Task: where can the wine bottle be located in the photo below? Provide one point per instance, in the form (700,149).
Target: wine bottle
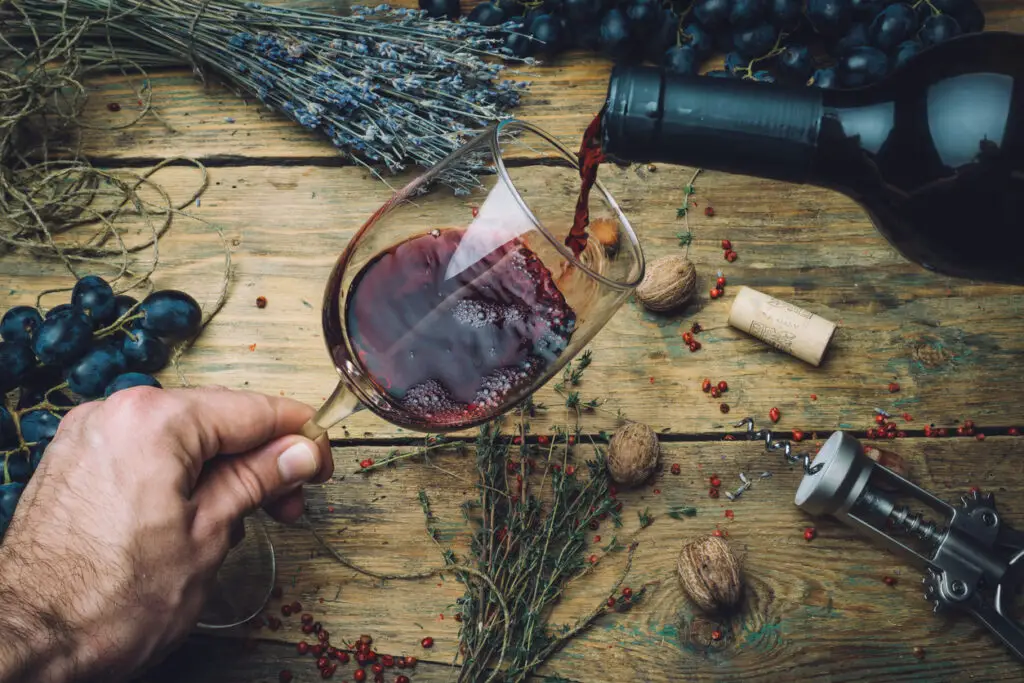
(934,152)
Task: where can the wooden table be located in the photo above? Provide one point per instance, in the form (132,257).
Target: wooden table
(288,205)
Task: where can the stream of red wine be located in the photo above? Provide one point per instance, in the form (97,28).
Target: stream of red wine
(457,350)
(590,158)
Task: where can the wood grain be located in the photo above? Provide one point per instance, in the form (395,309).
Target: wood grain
(808,606)
(940,339)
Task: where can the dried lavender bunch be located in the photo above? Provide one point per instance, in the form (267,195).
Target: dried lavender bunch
(387,86)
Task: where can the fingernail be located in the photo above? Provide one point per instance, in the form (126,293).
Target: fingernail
(297,464)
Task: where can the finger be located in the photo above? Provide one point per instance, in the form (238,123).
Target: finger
(289,508)
(234,486)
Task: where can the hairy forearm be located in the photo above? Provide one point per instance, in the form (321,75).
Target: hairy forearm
(34,643)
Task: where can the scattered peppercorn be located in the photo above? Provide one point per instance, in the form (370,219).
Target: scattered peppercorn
(726,245)
(687,337)
(307,618)
(730,256)
(113,106)
(359,675)
(694,346)
(377,668)
(261,302)
(475,210)
(720,282)
(328,671)
(696,328)
(717,532)
(286,610)
(919,652)
(302,647)
(627,592)
(715,293)
(1013,431)
(715,393)
(307,628)
(889,581)
(713,493)
(410,662)
(570,469)
(285,676)
(675,468)
(980,436)
(814,397)
(723,386)
(810,533)
(273,623)
(705,386)
(893,387)
(323,663)
(716,635)
(880,419)
(611,602)
(715,481)
(709,211)
(729,514)
(907,417)
(943,431)
(724,407)
(774,414)
(402,679)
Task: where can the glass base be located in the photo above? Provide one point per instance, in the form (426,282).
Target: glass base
(245,581)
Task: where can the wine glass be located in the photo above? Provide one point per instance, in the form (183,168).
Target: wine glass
(458,299)
(460,296)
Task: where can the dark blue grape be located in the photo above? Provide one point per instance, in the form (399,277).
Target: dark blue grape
(129,380)
(487,14)
(938,29)
(905,52)
(20,323)
(172,314)
(547,30)
(144,351)
(96,369)
(37,425)
(94,297)
(19,467)
(747,13)
(586,35)
(437,9)
(862,66)
(763,76)
(511,8)
(643,17)
(712,13)
(825,78)
(583,11)
(785,12)
(734,62)
(9,496)
(616,41)
(59,310)
(35,453)
(16,364)
(520,44)
(8,432)
(122,304)
(830,17)
(893,26)
(966,12)
(664,36)
(796,63)
(699,39)
(859,35)
(681,60)
(62,339)
(868,9)
(755,42)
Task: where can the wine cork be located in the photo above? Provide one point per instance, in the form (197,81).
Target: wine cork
(787,327)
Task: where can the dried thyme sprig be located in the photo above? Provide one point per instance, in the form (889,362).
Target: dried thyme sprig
(394,455)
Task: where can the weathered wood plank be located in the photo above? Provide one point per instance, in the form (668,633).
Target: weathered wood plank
(216,125)
(951,344)
(811,608)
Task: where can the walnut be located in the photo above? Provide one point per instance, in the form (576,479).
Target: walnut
(709,573)
(633,454)
(668,284)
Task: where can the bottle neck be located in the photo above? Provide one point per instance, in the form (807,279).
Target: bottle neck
(728,125)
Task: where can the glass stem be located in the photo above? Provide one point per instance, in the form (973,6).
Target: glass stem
(340,405)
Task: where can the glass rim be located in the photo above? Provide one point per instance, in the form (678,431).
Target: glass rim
(571,157)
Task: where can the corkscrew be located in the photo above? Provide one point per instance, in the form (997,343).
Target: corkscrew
(973,561)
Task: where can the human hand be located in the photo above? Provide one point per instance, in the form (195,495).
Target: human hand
(120,532)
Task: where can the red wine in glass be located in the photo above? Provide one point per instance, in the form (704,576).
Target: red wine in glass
(451,350)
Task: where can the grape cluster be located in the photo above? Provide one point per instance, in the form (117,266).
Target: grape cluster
(95,345)
(825,43)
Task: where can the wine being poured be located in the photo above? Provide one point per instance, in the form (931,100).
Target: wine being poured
(459,297)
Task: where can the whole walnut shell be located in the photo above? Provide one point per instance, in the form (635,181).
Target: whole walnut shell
(710,574)
(669,282)
(633,453)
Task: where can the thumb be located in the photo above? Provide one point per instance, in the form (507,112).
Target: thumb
(232,486)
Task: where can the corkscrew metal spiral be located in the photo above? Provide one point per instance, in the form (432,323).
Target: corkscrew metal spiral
(773,444)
